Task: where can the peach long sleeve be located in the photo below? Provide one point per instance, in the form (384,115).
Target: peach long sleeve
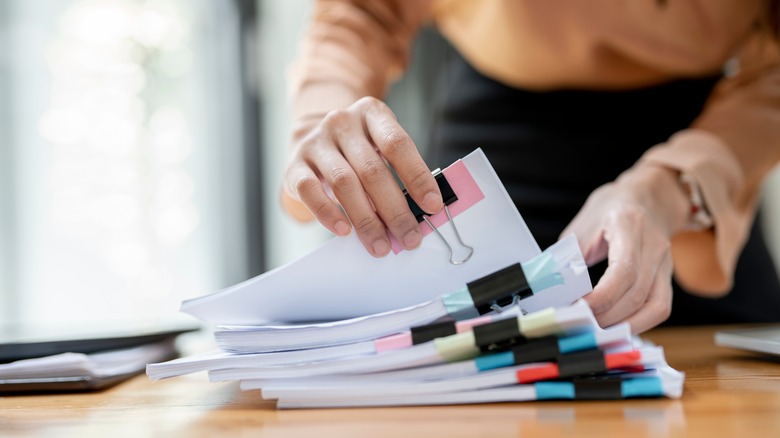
(729,150)
(352,49)
(356,48)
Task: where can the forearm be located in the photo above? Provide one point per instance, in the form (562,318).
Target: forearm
(352,49)
(344,138)
(729,150)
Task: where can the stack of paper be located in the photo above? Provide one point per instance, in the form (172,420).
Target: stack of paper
(501,357)
(79,371)
(414,328)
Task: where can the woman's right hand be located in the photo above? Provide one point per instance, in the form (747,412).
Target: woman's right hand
(347,153)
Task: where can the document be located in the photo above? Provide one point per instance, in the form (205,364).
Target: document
(664,381)
(341,280)
(341,328)
(473,378)
(560,264)
(79,371)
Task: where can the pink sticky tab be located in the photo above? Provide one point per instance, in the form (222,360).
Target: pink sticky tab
(393,342)
(465,188)
(469,324)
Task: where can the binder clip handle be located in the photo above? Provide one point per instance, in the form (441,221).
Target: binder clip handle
(448,197)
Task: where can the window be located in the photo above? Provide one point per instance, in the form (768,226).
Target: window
(129,156)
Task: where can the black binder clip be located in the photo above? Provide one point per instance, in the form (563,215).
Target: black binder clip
(505,287)
(515,302)
(448,196)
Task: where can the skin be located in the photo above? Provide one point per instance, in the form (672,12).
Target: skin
(629,222)
(347,150)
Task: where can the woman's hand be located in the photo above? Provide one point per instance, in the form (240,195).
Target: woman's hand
(348,152)
(630,222)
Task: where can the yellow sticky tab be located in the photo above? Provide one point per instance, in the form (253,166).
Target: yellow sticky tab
(457,347)
(538,324)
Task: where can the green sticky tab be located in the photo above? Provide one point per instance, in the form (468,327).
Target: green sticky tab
(538,324)
(458,347)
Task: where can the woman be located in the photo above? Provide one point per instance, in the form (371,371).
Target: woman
(611,120)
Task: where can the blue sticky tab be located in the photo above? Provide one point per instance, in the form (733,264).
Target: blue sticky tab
(459,301)
(554,390)
(493,361)
(570,344)
(642,387)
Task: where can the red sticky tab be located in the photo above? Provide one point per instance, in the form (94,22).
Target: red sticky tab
(537,373)
(620,360)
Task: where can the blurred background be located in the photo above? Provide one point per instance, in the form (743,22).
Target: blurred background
(142,144)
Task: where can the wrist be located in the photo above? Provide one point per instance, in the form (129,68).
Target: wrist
(699,218)
(660,190)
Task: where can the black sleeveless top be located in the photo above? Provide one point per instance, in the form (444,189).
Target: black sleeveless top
(552,149)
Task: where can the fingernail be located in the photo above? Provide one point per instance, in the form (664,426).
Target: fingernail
(412,239)
(381,248)
(342,229)
(432,203)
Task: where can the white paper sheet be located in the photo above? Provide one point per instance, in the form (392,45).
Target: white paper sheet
(102,364)
(341,280)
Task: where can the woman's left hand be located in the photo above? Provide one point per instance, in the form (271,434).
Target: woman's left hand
(630,222)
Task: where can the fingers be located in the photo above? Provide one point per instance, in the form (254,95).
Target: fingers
(658,306)
(349,191)
(294,207)
(378,182)
(618,223)
(623,271)
(302,181)
(589,230)
(636,251)
(350,151)
(397,147)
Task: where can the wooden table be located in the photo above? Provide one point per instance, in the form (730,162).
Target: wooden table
(727,393)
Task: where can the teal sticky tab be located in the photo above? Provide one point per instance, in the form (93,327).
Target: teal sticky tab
(542,283)
(458,301)
(493,361)
(554,390)
(642,387)
(540,272)
(539,266)
(584,341)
